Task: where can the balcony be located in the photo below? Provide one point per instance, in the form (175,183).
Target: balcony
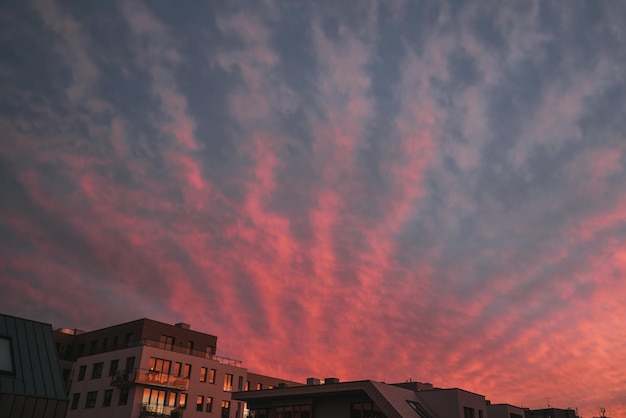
(150,378)
(151,410)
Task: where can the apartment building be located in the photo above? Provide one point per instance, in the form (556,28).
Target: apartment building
(361,399)
(148,368)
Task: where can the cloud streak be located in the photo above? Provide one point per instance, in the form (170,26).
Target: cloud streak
(386,191)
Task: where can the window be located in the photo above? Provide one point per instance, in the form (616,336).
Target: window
(167,342)
(153,401)
(81,372)
(129,338)
(75,400)
(365,409)
(228,382)
(259,386)
(225,409)
(130,365)
(160,365)
(212,376)
(182,400)
(6,356)
(123,396)
(171,401)
(187,371)
(104,344)
(108,396)
(90,402)
(113,367)
(96,373)
(209,404)
(190,346)
(247,386)
(199,403)
(203,373)
(115,341)
(468,412)
(419,409)
(94,347)
(480,413)
(240,384)
(81,350)
(177,368)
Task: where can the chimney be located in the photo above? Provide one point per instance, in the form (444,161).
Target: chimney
(182,325)
(313,381)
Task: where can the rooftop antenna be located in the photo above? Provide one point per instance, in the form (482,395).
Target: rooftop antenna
(548,400)
(602,411)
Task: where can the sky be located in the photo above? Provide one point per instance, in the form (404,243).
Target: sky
(368,190)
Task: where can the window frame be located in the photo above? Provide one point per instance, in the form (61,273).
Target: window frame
(10,354)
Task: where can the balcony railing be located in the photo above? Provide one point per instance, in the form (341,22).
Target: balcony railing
(151,410)
(150,378)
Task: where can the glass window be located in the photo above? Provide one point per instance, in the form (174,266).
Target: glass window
(199,403)
(177,368)
(160,365)
(468,412)
(81,372)
(6,356)
(108,396)
(171,400)
(130,365)
(212,376)
(203,374)
(225,409)
(187,371)
(96,372)
(75,400)
(259,386)
(94,347)
(90,402)
(209,404)
(123,396)
(182,400)
(247,386)
(228,382)
(113,367)
(167,342)
(240,383)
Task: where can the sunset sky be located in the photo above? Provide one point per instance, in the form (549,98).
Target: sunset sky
(368,190)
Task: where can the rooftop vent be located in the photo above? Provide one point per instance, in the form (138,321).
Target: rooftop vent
(283,385)
(313,381)
(331,380)
(182,325)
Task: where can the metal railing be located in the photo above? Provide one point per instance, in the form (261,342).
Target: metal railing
(150,378)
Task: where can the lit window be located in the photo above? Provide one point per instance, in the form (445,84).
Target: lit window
(228,382)
(225,409)
(187,371)
(6,356)
(199,403)
(182,400)
(203,374)
(209,404)
(212,376)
